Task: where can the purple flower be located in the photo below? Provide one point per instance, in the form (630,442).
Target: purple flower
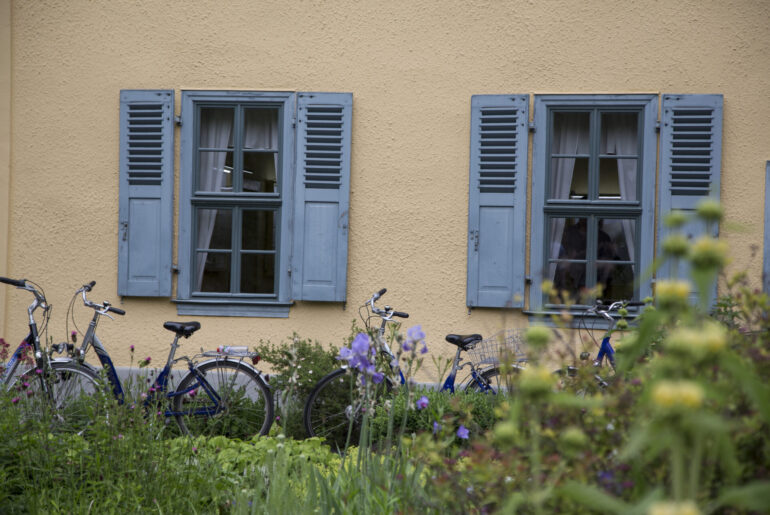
(424,349)
(15,400)
(38,371)
(462,432)
(436,427)
(407,346)
(422,403)
(131,348)
(360,344)
(415,334)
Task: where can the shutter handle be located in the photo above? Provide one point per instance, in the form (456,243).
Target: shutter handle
(124,228)
(475,241)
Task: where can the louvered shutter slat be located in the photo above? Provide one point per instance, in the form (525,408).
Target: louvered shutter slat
(146,166)
(497,200)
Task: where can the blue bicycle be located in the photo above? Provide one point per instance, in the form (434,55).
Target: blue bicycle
(224,395)
(330,411)
(606,351)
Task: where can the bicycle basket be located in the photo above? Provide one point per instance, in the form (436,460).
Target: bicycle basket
(506,345)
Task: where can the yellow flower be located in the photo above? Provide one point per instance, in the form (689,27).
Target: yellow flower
(699,343)
(677,395)
(538,336)
(674,508)
(709,210)
(676,219)
(672,294)
(536,380)
(676,245)
(708,252)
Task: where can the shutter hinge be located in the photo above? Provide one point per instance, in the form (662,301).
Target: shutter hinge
(528,280)
(178,120)
(657,126)
(531,126)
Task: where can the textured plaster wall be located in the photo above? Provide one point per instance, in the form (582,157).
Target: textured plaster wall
(412,67)
(5,143)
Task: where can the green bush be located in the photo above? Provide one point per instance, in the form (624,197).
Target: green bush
(297,365)
(474,410)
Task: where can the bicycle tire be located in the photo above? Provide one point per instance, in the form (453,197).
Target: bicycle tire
(330,411)
(492,377)
(246,403)
(71,407)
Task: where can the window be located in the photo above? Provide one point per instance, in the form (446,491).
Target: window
(592,182)
(592,204)
(264,187)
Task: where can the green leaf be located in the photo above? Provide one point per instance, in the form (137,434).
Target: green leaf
(594,498)
(753,496)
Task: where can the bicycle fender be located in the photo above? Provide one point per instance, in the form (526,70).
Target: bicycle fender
(84,364)
(238,362)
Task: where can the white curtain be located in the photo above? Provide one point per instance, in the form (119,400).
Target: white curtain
(261,133)
(570,137)
(620,139)
(215,133)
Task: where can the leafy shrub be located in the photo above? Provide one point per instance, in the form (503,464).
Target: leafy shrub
(474,410)
(297,365)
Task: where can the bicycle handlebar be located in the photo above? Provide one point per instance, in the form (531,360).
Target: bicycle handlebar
(388,313)
(100,308)
(19,283)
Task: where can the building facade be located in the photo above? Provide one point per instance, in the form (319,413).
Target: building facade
(264,167)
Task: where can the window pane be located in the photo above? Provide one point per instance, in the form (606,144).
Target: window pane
(258,230)
(617,179)
(212,272)
(616,242)
(569,178)
(616,239)
(616,281)
(571,133)
(619,134)
(215,171)
(258,273)
(260,129)
(216,127)
(259,171)
(568,242)
(570,234)
(215,227)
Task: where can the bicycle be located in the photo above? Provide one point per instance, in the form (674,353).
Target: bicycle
(606,350)
(60,387)
(223,395)
(329,411)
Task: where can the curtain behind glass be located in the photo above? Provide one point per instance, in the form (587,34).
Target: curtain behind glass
(621,139)
(570,136)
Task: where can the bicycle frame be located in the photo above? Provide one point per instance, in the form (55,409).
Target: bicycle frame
(457,364)
(161,383)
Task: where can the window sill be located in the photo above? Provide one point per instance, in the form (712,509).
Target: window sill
(230,308)
(546,318)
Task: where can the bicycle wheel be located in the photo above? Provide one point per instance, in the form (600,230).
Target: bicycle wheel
(492,381)
(230,399)
(71,404)
(335,408)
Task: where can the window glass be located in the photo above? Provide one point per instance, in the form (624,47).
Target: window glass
(615,269)
(215,141)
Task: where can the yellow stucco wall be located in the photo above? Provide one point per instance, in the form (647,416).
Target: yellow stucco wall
(5,144)
(412,67)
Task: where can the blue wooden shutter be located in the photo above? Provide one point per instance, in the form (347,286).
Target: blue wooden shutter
(690,166)
(146,192)
(497,200)
(322,196)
